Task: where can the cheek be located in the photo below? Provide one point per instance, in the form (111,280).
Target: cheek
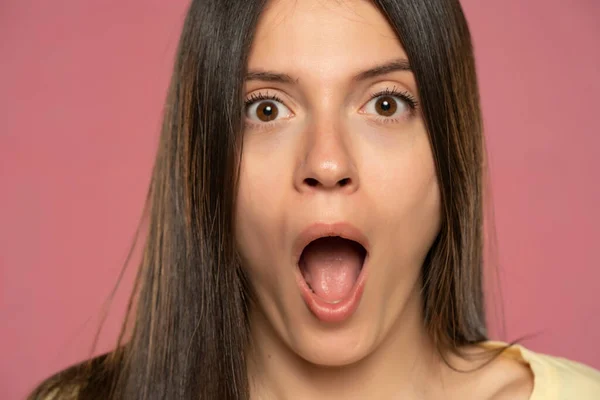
(259,216)
(408,201)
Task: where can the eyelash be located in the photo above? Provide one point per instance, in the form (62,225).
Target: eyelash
(410,100)
(407,97)
(404,95)
(254,97)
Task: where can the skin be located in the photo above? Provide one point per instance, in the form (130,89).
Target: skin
(331,156)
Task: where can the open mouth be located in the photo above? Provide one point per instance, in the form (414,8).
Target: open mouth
(331,266)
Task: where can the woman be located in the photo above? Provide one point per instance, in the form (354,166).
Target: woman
(315,218)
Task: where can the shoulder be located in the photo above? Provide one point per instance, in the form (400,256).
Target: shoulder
(559,378)
(489,372)
(89,379)
(553,378)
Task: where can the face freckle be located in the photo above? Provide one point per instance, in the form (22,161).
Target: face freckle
(322,147)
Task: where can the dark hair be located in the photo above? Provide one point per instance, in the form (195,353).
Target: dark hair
(189,311)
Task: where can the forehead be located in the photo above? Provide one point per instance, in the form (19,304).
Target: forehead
(322,38)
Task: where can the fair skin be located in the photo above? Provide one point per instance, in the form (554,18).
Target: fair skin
(331,155)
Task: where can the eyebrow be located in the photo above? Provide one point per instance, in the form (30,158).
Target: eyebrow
(400,64)
(269,76)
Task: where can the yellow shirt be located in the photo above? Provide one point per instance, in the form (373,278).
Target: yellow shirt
(556,378)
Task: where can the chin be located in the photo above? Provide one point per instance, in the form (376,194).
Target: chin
(334,346)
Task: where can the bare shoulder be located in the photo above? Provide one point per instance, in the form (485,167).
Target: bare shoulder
(518,386)
(509,378)
(493,375)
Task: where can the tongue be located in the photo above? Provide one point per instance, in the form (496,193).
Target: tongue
(331,266)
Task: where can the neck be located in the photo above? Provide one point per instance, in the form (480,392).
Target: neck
(405,363)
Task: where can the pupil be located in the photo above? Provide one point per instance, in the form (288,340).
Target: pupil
(268,110)
(385,105)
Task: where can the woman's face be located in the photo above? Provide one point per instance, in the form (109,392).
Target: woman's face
(334,145)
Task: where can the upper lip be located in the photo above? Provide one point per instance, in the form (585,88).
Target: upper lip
(320,230)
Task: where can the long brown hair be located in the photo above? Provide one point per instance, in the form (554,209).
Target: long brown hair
(188,324)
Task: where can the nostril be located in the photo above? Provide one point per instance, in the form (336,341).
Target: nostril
(312,182)
(344,182)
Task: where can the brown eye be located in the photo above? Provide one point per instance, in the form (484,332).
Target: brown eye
(389,107)
(386,106)
(266,110)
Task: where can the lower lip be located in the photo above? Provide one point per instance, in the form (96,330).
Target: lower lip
(337,312)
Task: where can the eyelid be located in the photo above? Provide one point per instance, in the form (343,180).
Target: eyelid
(268,94)
(403,96)
(256,97)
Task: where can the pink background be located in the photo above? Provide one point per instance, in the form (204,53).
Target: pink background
(81,89)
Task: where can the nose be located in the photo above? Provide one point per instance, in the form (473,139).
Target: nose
(326,162)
